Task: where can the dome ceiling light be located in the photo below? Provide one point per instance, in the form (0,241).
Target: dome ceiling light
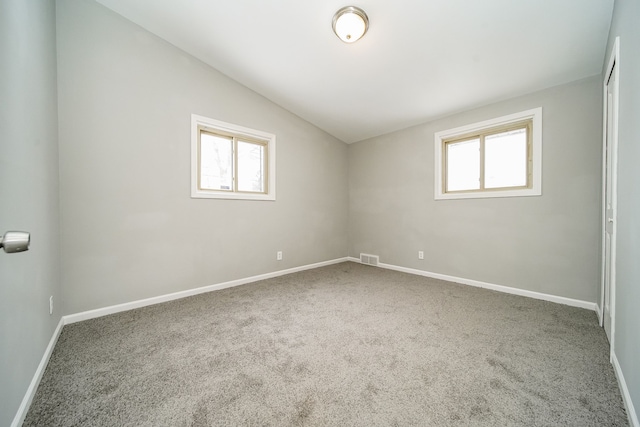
(350,23)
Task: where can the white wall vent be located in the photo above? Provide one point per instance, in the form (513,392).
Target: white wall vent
(369,259)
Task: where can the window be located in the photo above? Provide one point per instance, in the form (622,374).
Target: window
(496,158)
(231,162)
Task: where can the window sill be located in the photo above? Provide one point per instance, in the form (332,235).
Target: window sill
(199,194)
(489,194)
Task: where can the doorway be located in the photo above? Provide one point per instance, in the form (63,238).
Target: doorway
(609,199)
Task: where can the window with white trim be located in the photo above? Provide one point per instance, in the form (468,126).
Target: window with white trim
(231,162)
(495,158)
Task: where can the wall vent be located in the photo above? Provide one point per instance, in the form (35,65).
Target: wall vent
(369,259)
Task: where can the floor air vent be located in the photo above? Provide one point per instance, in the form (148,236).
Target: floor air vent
(369,259)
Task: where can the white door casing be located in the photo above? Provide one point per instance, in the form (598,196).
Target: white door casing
(609,194)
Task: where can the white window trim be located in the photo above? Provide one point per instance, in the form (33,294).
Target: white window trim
(536,188)
(200,121)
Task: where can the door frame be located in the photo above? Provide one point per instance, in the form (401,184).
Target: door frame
(612,67)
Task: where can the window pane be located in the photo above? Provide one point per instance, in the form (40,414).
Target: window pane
(505,159)
(250,167)
(216,162)
(463,165)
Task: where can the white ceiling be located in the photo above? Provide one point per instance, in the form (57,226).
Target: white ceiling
(420,59)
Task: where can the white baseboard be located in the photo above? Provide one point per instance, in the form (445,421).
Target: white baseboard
(626,397)
(72,318)
(500,288)
(91,314)
(599,314)
(35,381)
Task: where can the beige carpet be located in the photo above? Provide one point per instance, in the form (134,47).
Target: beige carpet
(344,345)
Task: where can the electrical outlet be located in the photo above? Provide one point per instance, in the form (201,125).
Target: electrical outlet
(420,255)
(279,255)
(51,305)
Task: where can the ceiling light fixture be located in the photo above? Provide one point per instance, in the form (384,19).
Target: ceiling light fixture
(350,24)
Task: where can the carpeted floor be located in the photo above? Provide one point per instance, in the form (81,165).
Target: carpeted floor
(344,345)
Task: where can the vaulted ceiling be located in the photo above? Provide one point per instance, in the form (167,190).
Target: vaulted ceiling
(420,59)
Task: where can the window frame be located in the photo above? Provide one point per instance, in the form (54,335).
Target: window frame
(481,130)
(237,133)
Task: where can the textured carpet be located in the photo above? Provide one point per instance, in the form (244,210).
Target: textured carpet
(344,345)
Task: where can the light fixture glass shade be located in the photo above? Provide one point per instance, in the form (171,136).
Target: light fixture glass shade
(350,24)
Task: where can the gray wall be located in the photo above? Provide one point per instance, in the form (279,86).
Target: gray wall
(627,315)
(547,244)
(28,193)
(129,227)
